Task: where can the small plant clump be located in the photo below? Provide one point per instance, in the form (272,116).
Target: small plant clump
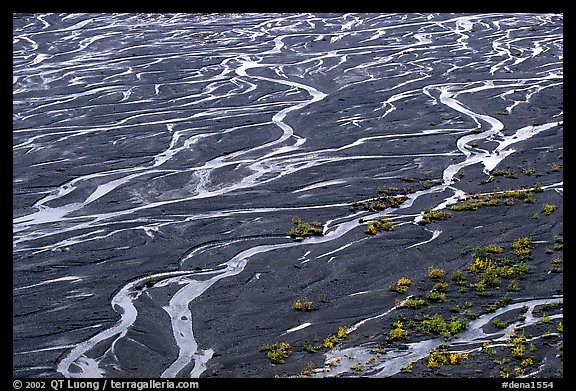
(487,349)
(431,215)
(506,173)
(458,277)
(529,171)
(379,225)
(333,340)
(308,371)
(398,333)
(522,247)
(436,273)
(513,286)
(436,297)
(517,346)
(443,357)
(304,229)
(386,197)
(484,251)
(441,286)
(548,209)
(413,303)
(277,352)
(408,367)
(401,286)
(556,266)
(502,302)
(149,283)
(305,305)
(499,323)
(477,200)
(438,326)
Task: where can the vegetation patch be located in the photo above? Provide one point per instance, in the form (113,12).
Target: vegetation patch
(277,352)
(386,197)
(381,224)
(303,229)
(335,339)
(300,305)
(431,215)
(401,286)
(398,333)
(413,303)
(443,357)
(548,209)
(476,201)
(435,273)
(506,173)
(522,247)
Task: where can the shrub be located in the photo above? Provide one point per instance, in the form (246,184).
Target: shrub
(522,269)
(513,286)
(408,367)
(522,247)
(277,352)
(458,277)
(487,349)
(371,229)
(437,325)
(304,229)
(414,303)
(499,323)
(548,209)
(441,286)
(333,340)
(529,171)
(456,325)
(557,266)
(443,357)
(436,273)
(507,173)
(379,225)
(475,202)
(431,215)
(436,297)
(480,264)
(398,333)
(387,225)
(297,305)
(308,371)
(401,286)
(484,251)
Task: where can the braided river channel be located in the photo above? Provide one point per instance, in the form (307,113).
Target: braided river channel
(182,181)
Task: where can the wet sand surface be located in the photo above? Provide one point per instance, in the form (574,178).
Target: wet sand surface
(159,161)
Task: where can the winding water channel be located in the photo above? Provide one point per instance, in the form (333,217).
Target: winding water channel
(156,156)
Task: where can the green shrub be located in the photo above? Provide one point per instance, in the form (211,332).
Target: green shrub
(436,273)
(304,229)
(398,333)
(522,247)
(431,215)
(436,296)
(548,209)
(277,352)
(499,323)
